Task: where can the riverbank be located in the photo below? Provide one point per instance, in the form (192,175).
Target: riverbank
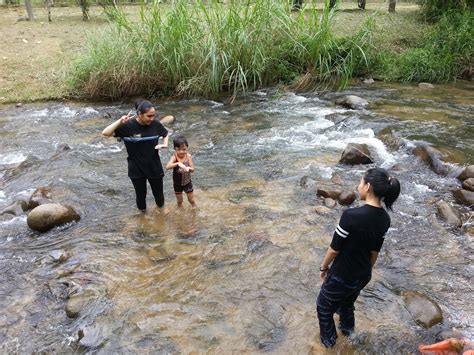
(36,55)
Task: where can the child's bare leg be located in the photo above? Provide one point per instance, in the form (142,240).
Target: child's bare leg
(179,199)
(191,200)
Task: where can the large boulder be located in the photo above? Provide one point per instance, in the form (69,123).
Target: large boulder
(468,184)
(355,153)
(464,196)
(16,208)
(352,101)
(432,157)
(390,138)
(426,86)
(49,215)
(346,197)
(467,173)
(327,193)
(424,310)
(450,214)
(40,196)
(167,119)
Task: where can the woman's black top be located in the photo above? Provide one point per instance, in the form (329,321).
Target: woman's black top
(140,141)
(360,231)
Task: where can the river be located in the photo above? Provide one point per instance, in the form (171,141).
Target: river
(240,273)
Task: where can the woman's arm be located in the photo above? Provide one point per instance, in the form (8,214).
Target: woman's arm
(328,258)
(110,129)
(165,143)
(373,257)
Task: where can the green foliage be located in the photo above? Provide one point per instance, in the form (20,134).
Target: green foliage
(432,10)
(442,55)
(203,49)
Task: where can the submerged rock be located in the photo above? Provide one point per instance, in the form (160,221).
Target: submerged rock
(450,214)
(58,256)
(355,153)
(352,101)
(390,138)
(16,208)
(327,193)
(329,202)
(92,337)
(322,210)
(346,197)
(40,196)
(78,302)
(424,310)
(432,157)
(467,173)
(426,86)
(468,184)
(464,196)
(49,215)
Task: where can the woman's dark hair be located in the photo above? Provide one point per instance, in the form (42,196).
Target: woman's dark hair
(178,141)
(383,185)
(143,106)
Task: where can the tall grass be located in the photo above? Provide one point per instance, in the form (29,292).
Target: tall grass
(204,49)
(443,55)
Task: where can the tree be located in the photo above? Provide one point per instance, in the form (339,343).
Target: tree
(391,5)
(29,10)
(85,9)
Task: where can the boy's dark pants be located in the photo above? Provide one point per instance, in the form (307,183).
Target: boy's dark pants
(337,296)
(140,191)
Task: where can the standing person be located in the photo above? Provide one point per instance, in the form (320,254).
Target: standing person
(141,133)
(182,164)
(353,251)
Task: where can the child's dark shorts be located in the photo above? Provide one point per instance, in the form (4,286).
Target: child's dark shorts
(178,189)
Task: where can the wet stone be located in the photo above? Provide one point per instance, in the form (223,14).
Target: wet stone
(40,196)
(322,210)
(346,197)
(390,138)
(432,157)
(352,101)
(58,256)
(464,196)
(355,153)
(467,173)
(424,310)
(17,208)
(468,184)
(426,86)
(327,193)
(49,215)
(91,337)
(449,213)
(257,242)
(242,194)
(78,302)
(329,202)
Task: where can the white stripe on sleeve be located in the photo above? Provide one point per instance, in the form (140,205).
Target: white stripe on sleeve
(343,233)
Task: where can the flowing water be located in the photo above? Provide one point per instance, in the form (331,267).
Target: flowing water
(240,273)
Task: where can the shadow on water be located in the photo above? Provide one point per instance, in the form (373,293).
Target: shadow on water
(239,273)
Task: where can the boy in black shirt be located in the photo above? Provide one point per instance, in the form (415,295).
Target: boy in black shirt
(353,251)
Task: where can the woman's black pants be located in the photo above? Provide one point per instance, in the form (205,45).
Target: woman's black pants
(156,188)
(337,296)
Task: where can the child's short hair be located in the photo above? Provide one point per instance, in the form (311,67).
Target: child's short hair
(178,141)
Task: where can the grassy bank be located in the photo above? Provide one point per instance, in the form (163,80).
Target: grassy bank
(119,61)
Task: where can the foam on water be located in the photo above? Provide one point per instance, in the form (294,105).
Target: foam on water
(12,158)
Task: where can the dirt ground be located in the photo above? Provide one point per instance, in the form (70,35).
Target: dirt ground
(34,55)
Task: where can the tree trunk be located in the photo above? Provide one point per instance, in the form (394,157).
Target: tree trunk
(48,7)
(391,5)
(29,10)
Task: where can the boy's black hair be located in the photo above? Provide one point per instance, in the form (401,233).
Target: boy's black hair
(178,141)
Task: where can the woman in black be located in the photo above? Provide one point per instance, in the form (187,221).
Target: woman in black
(353,251)
(141,133)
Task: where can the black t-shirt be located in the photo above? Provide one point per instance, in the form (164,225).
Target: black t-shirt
(360,231)
(143,159)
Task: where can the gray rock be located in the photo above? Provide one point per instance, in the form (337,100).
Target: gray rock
(390,138)
(352,101)
(369,81)
(450,214)
(167,119)
(329,202)
(49,215)
(322,210)
(78,302)
(16,208)
(467,173)
(427,86)
(92,337)
(464,196)
(346,197)
(432,157)
(40,196)
(355,153)
(468,184)
(327,193)
(58,256)
(424,310)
